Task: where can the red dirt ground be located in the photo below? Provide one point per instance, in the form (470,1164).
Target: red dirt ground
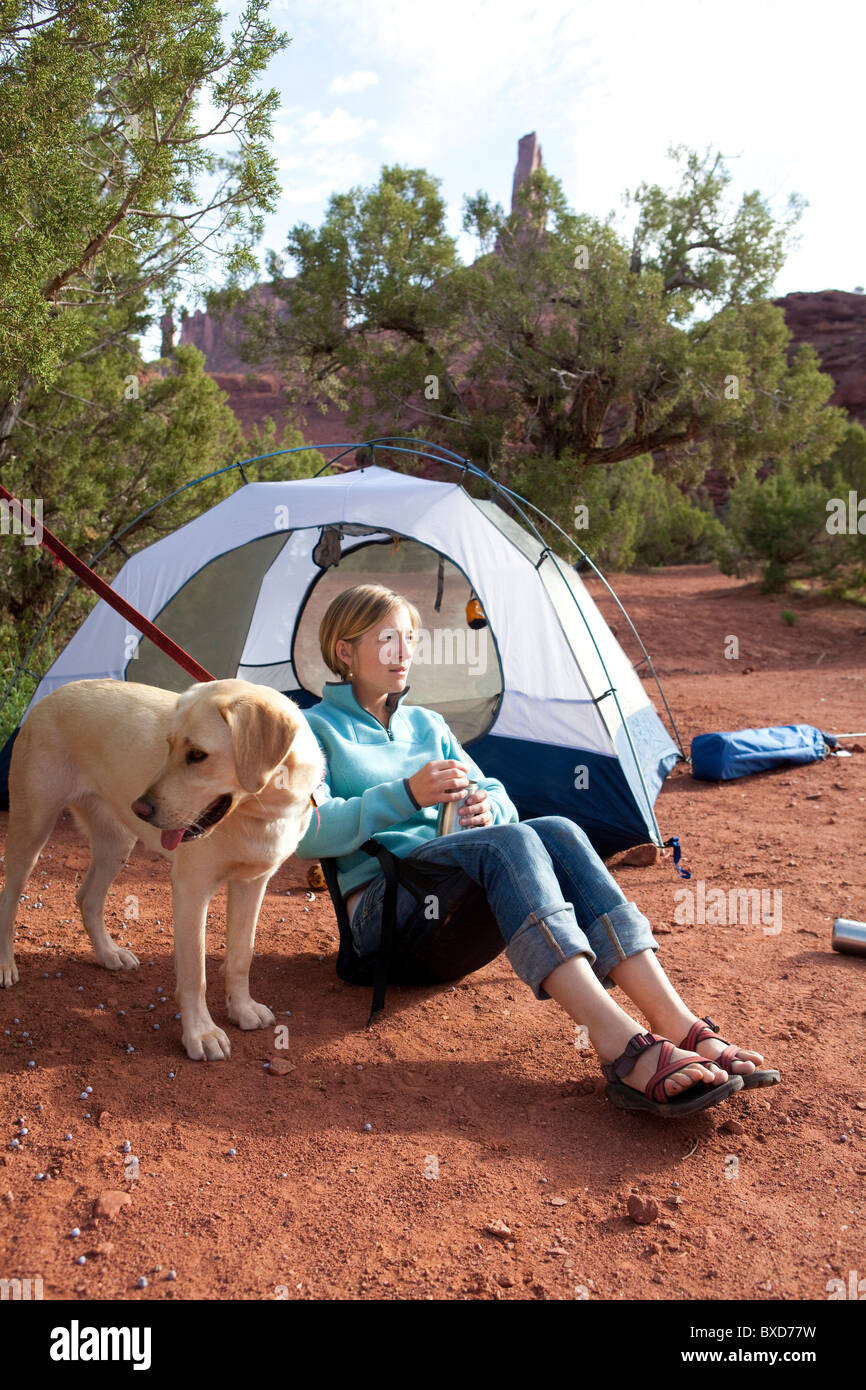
(479,1083)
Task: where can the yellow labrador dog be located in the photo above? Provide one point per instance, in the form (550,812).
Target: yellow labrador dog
(218,780)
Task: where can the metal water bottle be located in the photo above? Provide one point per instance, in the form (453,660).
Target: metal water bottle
(448,818)
(849,936)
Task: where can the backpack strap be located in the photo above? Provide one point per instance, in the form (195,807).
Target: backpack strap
(389,912)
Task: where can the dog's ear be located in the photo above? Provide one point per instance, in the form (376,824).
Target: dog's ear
(262,735)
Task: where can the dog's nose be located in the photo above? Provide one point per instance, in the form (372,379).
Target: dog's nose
(142,808)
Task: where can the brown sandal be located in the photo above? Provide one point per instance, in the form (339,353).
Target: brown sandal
(768,1076)
(654,1099)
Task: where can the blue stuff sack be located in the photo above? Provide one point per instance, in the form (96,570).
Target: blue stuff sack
(722,756)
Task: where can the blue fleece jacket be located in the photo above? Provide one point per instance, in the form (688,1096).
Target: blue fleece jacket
(366,789)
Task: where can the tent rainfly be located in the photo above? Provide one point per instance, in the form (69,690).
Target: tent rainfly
(543,695)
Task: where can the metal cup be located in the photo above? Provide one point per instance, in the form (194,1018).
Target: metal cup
(849,936)
(448,817)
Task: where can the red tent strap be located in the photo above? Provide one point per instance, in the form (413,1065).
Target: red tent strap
(105,591)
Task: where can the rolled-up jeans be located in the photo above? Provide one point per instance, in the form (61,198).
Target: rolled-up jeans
(551,895)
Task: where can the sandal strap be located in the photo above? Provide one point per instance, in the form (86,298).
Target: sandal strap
(614,1071)
(655,1088)
(698,1032)
(731,1054)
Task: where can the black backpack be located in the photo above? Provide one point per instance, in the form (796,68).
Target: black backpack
(467,938)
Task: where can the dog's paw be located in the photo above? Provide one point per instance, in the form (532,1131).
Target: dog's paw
(118,958)
(207,1043)
(8,973)
(250,1014)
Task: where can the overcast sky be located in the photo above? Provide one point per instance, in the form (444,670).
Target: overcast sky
(451,85)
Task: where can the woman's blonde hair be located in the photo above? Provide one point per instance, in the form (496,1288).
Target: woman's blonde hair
(354,612)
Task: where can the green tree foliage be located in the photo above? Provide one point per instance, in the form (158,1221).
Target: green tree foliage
(368,313)
(103,158)
(563,341)
(623,516)
(802,522)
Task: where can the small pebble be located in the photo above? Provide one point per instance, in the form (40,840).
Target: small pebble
(155,1026)
(177,1016)
(123,1013)
(81,989)
(67,1136)
(83,1096)
(232,1153)
(642,1210)
(39,1177)
(130,1047)
(142,1283)
(87,1114)
(31,1063)
(75,1233)
(368,1128)
(171,1274)
(171,1076)
(82,1260)
(151,1006)
(126,1147)
(25,1035)
(22,1130)
(15,1144)
(100,1006)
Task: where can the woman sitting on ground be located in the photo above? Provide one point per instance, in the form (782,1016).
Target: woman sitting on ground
(566,926)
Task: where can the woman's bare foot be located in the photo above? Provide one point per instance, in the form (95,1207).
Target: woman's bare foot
(692,1073)
(677,1026)
(741,1066)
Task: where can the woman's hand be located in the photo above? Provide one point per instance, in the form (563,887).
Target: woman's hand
(475,812)
(439,781)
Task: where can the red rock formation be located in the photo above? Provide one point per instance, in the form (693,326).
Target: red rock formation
(834,322)
(528,160)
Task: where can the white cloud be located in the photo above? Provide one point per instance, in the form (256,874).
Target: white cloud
(354,82)
(338,128)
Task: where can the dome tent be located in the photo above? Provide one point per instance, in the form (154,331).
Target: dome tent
(544,696)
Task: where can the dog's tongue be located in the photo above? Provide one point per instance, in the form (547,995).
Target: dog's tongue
(171,838)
